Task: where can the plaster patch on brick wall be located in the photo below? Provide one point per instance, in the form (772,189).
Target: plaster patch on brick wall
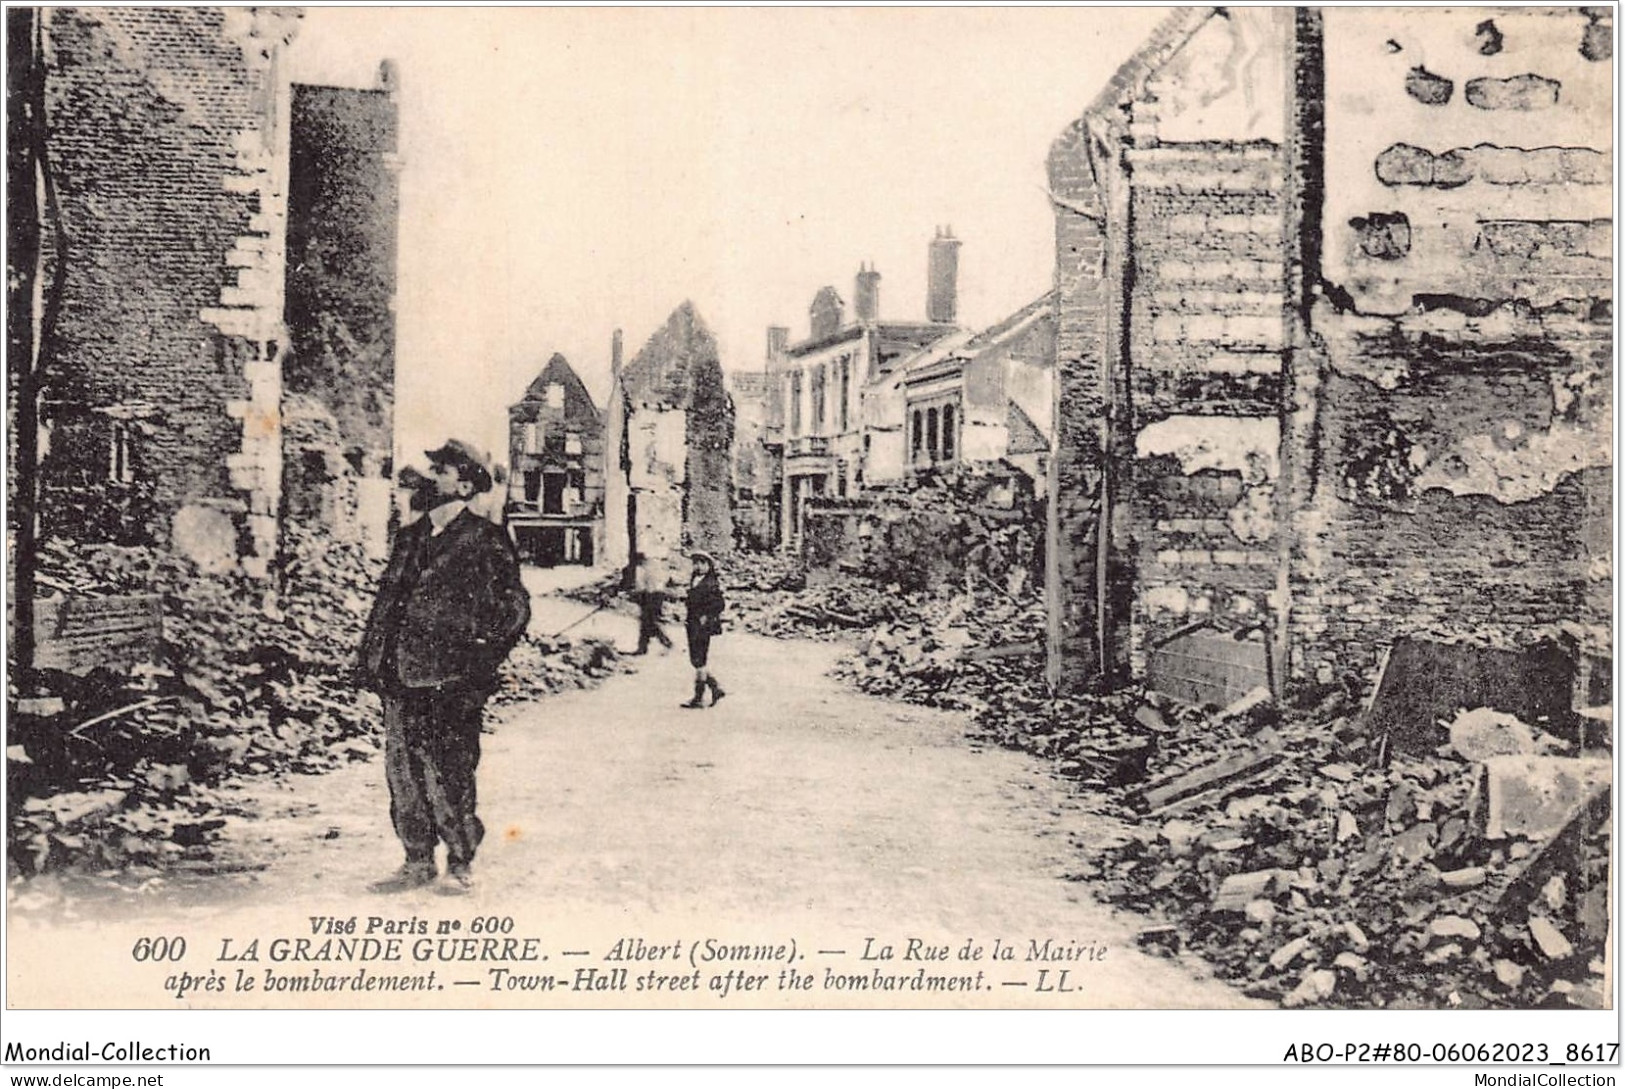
(1253,519)
(1427,87)
(1225,83)
(1525,92)
(1248,445)
(1513,464)
(1405,164)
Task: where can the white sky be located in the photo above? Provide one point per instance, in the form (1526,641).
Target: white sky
(571,171)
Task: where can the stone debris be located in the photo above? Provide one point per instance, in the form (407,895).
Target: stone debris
(121,772)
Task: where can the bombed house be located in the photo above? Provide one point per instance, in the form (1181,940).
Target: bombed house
(1334,346)
(835,416)
(555,504)
(207,285)
(668,441)
(976,400)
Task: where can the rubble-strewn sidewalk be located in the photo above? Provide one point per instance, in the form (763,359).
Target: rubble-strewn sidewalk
(1280,844)
(119,773)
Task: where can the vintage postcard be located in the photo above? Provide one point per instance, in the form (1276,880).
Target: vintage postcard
(1070,509)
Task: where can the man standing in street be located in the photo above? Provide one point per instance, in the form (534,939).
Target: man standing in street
(649,586)
(450,607)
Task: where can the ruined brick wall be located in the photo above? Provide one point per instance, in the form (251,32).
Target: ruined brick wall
(163,136)
(1205,339)
(676,429)
(343,214)
(1170,277)
(1083,299)
(1418,292)
(1461,483)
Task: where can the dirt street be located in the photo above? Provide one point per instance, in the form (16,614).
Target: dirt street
(796,809)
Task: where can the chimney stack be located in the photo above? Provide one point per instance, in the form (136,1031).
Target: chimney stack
(615,354)
(942,278)
(778,341)
(866,295)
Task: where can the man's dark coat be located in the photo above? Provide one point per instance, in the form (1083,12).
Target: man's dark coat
(454,622)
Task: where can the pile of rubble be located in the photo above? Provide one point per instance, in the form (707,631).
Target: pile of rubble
(539,667)
(1288,856)
(941,529)
(119,771)
(966,652)
(1286,851)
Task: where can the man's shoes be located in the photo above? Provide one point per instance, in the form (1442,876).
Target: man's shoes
(716,691)
(699,696)
(411,875)
(459,880)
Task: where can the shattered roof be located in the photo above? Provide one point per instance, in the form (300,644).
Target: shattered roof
(679,353)
(952,352)
(558,370)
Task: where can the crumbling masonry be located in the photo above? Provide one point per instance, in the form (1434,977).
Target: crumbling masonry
(165,388)
(1334,334)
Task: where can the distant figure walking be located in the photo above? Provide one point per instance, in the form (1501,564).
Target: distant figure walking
(649,587)
(705,604)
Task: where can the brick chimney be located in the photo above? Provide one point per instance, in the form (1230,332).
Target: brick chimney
(942,277)
(866,295)
(615,355)
(778,342)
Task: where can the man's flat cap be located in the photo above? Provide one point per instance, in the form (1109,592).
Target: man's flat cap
(467,460)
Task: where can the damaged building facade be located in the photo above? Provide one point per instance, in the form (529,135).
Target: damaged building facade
(668,441)
(1334,345)
(190,190)
(837,416)
(975,399)
(555,503)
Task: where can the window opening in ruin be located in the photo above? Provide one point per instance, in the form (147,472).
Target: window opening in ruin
(533,485)
(572,443)
(555,395)
(553,493)
(947,432)
(532,437)
(795,403)
(931,434)
(918,435)
(120,469)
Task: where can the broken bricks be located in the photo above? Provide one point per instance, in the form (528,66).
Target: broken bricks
(1238,890)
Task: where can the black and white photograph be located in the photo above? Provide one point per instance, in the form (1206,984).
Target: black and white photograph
(1102,511)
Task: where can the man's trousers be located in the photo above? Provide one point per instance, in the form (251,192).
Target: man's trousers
(431,752)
